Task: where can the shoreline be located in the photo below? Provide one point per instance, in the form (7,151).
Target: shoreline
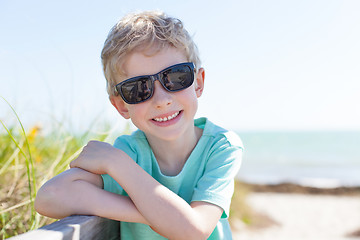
(288,187)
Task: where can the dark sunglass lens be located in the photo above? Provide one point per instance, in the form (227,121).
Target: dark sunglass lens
(178,78)
(136,91)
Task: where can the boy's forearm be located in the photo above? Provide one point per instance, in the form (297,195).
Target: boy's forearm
(116,207)
(59,202)
(106,204)
(58,197)
(67,195)
(168,213)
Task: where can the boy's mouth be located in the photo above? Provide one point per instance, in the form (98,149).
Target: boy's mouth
(168,118)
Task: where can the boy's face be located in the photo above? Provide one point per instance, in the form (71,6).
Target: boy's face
(166,115)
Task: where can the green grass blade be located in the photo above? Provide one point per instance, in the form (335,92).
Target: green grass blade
(29,161)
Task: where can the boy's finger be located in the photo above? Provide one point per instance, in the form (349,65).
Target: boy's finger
(73,164)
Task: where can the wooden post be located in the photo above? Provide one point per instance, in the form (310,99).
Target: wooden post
(75,228)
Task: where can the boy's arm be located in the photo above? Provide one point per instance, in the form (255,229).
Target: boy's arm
(165,212)
(77,191)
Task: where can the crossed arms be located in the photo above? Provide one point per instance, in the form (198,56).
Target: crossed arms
(79,190)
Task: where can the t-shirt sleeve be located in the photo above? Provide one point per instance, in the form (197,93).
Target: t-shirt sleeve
(110,184)
(216,186)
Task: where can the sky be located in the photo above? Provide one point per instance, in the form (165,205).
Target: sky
(269,65)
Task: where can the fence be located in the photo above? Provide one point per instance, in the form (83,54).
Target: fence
(75,228)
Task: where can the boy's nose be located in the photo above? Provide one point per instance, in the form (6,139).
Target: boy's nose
(161,96)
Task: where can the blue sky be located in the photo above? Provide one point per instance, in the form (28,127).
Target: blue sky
(270,65)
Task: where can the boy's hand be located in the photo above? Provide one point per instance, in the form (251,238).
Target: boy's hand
(96,157)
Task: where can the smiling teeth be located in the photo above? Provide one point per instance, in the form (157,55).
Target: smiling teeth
(166,118)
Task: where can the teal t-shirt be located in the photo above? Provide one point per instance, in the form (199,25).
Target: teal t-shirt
(208,174)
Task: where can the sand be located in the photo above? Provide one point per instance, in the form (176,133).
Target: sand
(303,216)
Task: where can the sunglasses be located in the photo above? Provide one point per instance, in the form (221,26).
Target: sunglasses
(174,78)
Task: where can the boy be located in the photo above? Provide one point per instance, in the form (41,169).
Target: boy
(173,177)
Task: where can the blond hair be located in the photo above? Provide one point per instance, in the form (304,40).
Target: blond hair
(150,30)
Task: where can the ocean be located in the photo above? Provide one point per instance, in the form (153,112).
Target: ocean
(310,158)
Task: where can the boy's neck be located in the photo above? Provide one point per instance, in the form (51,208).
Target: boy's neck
(172,155)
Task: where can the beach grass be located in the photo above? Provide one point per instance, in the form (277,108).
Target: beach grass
(29,158)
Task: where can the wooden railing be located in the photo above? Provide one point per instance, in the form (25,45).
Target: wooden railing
(75,228)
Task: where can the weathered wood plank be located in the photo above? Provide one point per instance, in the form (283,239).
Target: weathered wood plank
(75,228)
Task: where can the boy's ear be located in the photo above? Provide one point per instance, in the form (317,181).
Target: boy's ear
(120,106)
(199,84)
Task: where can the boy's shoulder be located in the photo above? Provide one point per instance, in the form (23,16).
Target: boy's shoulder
(134,140)
(218,133)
